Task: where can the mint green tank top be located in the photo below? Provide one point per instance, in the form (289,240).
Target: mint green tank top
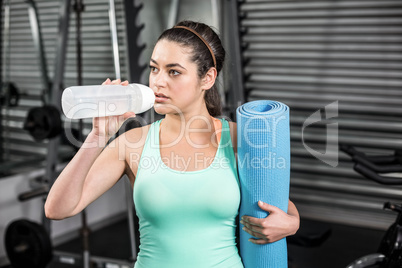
(187,219)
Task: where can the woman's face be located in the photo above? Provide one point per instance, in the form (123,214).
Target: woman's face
(174,79)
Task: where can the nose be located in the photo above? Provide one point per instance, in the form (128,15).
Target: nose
(158,80)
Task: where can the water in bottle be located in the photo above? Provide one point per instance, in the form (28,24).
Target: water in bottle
(106,100)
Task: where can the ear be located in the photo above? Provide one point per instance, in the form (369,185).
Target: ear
(209,79)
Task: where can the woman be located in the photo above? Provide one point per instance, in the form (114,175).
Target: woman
(182,168)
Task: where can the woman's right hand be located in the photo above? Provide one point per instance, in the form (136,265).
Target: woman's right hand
(106,127)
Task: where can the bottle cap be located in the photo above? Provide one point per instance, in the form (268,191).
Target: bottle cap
(148,98)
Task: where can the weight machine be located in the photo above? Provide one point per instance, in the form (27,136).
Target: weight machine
(377,168)
(27,243)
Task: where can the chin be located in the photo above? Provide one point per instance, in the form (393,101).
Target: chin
(166,109)
(159,109)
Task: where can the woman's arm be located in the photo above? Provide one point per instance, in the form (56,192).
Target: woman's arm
(84,179)
(275,226)
(91,172)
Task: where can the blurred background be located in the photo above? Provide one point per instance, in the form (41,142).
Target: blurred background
(336,64)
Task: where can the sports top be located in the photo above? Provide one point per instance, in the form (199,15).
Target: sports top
(187,218)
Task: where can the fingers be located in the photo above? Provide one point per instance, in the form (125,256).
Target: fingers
(252,221)
(259,241)
(115,82)
(264,206)
(121,119)
(107,82)
(261,235)
(267,207)
(261,228)
(128,115)
(258,233)
(253,230)
(254,226)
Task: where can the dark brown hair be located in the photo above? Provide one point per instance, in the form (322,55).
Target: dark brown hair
(201,55)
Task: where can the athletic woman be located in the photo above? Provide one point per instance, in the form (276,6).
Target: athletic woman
(182,168)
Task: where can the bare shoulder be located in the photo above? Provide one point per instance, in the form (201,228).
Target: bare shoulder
(233,134)
(136,136)
(233,127)
(130,145)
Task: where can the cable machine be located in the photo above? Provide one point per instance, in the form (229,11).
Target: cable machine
(24,236)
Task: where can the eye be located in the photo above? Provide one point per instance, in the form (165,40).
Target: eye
(153,69)
(174,72)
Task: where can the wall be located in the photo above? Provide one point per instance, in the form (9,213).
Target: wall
(337,65)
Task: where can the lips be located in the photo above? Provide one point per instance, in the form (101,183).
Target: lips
(159,97)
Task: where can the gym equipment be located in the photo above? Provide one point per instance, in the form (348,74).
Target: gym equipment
(115,41)
(116,60)
(263,142)
(370,166)
(85,231)
(234,73)
(39,48)
(27,244)
(389,253)
(9,95)
(52,98)
(173,12)
(43,122)
(133,47)
(86,258)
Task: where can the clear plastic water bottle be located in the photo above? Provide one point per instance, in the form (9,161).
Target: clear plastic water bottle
(105,100)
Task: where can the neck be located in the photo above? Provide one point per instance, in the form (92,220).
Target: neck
(188,122)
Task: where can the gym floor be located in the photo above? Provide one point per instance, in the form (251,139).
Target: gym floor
(345,244)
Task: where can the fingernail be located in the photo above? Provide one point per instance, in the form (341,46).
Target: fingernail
(260,202)
(242,222)
(244,228)
(108,79)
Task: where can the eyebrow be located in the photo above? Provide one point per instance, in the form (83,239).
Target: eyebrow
(170,65)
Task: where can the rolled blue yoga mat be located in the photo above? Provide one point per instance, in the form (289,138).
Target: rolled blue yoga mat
(263,148)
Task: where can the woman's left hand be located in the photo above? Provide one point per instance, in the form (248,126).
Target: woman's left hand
(277,225)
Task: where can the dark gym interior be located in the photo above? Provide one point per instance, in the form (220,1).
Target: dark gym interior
(337,64)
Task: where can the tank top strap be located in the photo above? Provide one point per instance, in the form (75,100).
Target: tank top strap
(226,146)
(225,133)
